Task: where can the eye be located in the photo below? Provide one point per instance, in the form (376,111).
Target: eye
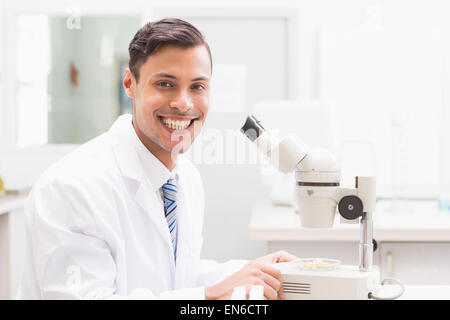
(164,84)
(198,86)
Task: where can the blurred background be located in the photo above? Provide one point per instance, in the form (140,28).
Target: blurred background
(367,79)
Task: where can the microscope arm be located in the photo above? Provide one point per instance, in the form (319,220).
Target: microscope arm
(353,203)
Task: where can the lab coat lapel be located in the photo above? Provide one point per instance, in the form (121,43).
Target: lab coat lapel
(183,272)
(146,198)
(139,187)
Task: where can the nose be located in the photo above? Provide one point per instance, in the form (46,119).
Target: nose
(182,101)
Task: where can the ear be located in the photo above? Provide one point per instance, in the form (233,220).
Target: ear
(129,83)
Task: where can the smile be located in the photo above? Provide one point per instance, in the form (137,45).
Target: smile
(176,124)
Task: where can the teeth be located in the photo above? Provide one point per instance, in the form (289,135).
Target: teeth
(176,124)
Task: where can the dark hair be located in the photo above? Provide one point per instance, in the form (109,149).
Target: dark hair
(155,35)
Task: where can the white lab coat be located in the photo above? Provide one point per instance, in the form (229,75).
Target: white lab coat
(96,228)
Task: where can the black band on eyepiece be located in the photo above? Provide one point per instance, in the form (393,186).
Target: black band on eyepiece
(252,128)
(318,184)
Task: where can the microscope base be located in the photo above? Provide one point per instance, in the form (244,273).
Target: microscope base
(344,283)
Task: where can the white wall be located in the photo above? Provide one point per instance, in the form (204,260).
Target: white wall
(2,75)
(228,208)
(315,14)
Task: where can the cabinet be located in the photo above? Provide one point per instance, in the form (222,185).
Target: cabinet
(415,262)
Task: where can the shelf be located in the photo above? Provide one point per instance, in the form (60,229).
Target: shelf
(409,221)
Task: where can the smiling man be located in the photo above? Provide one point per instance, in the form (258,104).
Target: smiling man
(122,215)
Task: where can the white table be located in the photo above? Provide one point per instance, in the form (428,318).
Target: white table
(8,203)
(11,202)
(426,292)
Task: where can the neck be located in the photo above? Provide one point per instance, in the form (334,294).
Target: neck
(164,156)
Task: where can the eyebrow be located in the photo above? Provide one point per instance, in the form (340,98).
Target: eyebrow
(166,75)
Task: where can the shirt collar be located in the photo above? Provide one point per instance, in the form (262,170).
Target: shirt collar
(156,171)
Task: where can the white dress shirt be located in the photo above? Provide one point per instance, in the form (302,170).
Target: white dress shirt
(96,226)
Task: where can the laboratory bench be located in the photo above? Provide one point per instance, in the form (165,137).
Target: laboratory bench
(426,292)
(413,239)
(11,236)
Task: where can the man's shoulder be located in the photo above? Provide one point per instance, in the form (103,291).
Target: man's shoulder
(90,162)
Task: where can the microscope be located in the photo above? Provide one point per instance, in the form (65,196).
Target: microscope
(317,195)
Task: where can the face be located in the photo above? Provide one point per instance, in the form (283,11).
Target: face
(171,97)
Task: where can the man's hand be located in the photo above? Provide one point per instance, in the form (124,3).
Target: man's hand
(256,272)
(279,256)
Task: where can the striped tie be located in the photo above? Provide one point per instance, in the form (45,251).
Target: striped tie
(170,210)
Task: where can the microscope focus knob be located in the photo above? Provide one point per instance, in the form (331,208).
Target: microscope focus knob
(375,245)
(350,207)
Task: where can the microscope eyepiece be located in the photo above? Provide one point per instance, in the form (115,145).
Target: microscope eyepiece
(252,128)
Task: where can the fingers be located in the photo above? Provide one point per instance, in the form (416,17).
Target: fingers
(267,292)
(270,293)
(279,256)
(283,256)
(258,273)
(272,276)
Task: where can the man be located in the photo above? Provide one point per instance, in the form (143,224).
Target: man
(121,216)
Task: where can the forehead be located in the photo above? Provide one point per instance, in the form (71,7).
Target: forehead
(177,61)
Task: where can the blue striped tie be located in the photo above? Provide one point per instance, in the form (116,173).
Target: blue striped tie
(170,209)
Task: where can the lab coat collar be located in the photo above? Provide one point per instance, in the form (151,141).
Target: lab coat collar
(126,156)
(154,169)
